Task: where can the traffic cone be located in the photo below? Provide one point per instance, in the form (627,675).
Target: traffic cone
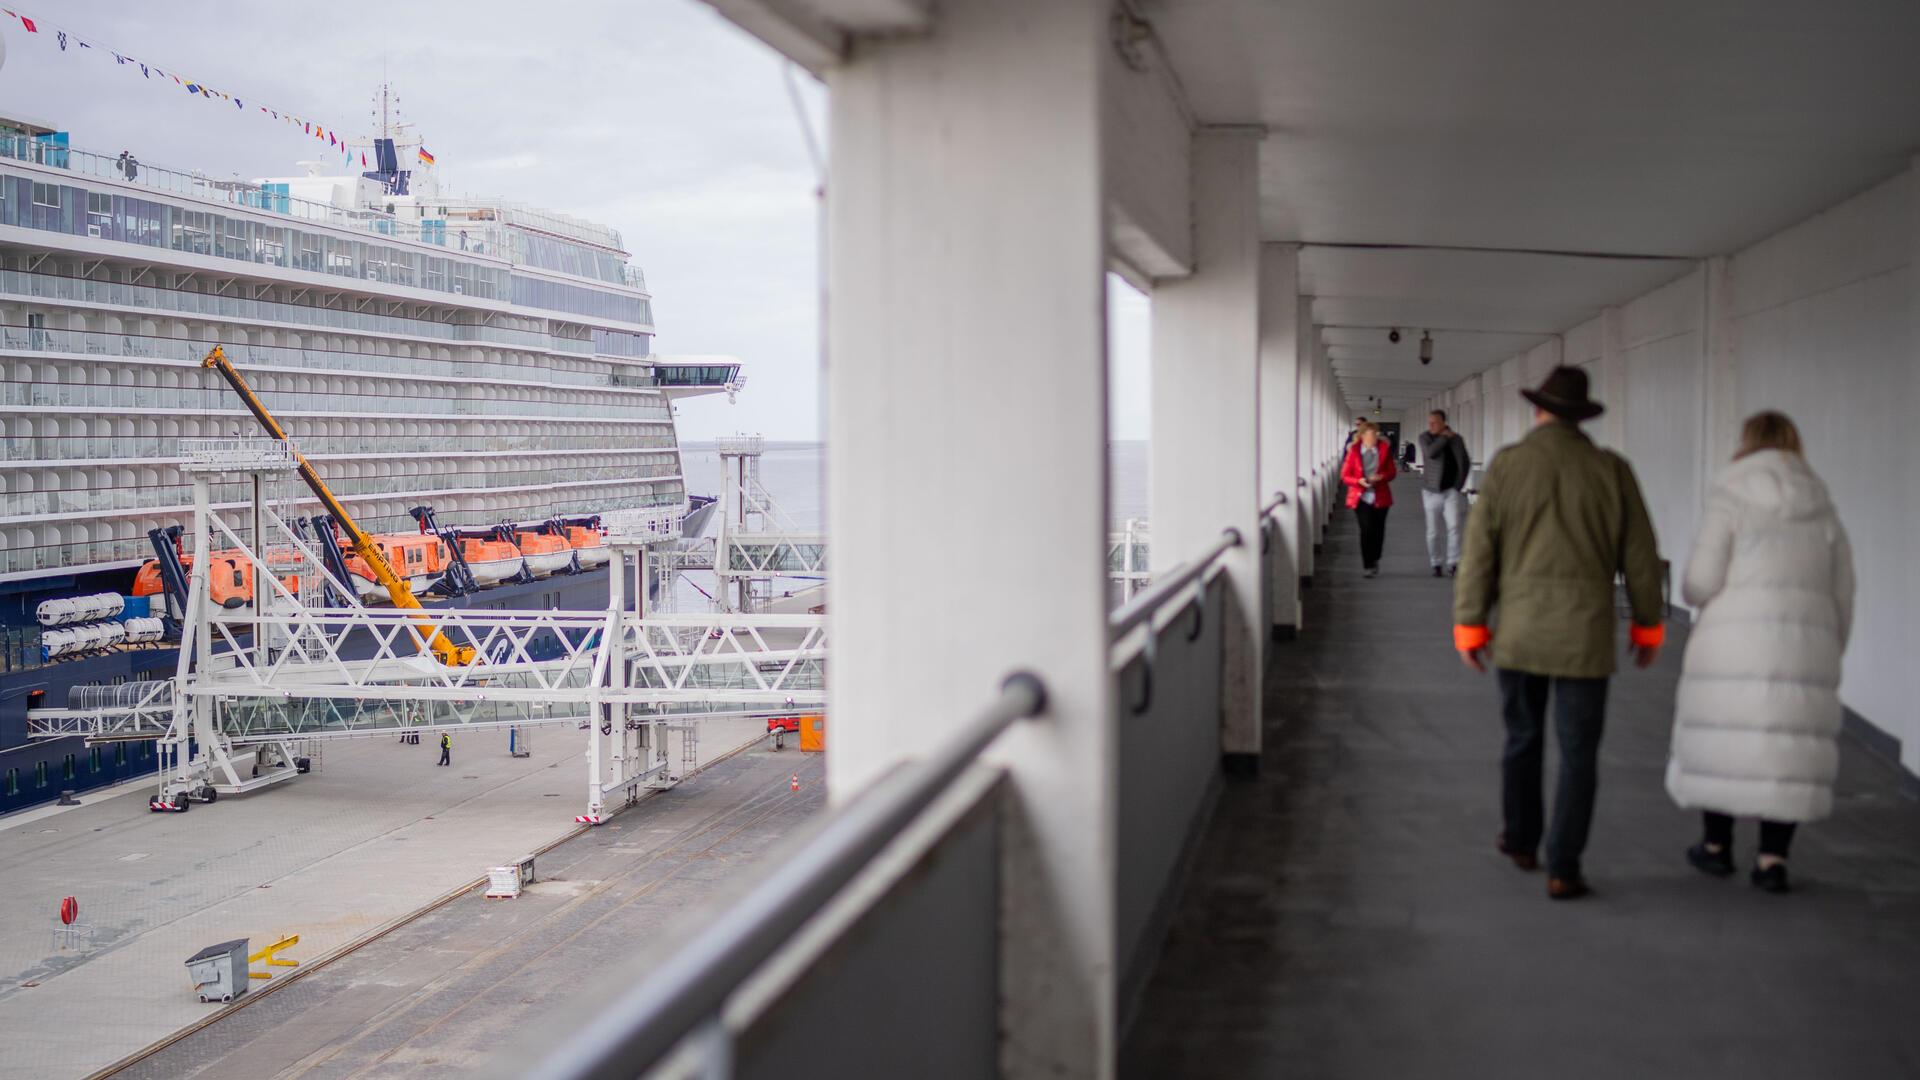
(796,782)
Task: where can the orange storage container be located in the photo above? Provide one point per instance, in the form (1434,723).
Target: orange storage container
(813,732)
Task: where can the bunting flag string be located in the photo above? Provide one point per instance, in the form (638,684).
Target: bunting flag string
(41,28)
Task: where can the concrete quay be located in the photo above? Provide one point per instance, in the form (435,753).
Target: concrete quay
(363,843)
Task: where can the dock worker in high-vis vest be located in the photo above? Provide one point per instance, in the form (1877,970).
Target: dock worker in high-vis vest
(446,748)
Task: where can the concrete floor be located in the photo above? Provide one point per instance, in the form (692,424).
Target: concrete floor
(472,987)
(376,833)
(1348,916)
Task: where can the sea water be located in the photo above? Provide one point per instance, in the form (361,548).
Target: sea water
(794,474)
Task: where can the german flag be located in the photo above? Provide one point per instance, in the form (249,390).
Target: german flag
(425,158)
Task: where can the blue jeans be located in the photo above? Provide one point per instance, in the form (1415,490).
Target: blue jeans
(1580,707)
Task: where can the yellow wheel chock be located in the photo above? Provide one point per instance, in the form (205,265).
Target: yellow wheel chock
(267,954)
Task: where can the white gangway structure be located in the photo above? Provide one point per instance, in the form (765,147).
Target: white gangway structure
(260,685)
(757,542)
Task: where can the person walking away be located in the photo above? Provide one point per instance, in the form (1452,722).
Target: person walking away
(1756,723)
(1368,471)
(1443,495)
(1556,520)
(446,748)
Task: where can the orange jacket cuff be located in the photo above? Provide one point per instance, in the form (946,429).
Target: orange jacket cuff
(1648,637)
(1469,638)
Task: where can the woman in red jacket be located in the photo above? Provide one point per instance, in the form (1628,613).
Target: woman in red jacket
(1368,473)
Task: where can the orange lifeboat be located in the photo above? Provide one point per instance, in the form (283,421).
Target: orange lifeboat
(590,544)
(544,554)
(419,558)
(230,584)
(492,561)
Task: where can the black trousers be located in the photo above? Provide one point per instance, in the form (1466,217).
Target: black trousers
(446,756)
(1373,533)
(1775,836)
(1579,715)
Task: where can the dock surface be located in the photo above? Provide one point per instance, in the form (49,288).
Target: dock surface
(374,835)
(465,989)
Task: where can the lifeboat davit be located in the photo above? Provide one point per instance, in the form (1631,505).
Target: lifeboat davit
(492,561)
(544,554)
(420,558)
(590,544)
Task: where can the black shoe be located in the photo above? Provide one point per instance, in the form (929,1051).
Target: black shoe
(1713,863)
(1454,570)
(1436,572)
(1567,888)
(1523,859)
(1773,879)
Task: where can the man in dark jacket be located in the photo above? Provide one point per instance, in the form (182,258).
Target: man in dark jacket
(1557,519)
(1444,494)
(446,748)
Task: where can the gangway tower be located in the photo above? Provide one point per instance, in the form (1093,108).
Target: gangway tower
(263,468)
(757,542)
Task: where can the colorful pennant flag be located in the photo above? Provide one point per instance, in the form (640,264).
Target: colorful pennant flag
(425,158)
(120,59)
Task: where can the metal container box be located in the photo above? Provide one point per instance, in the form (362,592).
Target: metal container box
(219,972)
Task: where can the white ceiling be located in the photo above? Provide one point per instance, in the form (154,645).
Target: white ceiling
(1481,307)
(1638,127)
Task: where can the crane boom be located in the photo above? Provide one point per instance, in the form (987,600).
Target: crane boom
(362,544)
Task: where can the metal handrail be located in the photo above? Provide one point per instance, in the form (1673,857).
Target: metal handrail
(1148,600)
(1279,500)
(641,1026)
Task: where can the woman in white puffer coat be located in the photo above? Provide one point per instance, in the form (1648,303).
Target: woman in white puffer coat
(1757,721)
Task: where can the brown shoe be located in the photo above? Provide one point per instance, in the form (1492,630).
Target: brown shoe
(1572,888)
(1522,859)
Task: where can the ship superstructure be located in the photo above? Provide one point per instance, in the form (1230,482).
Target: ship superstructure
(488,359)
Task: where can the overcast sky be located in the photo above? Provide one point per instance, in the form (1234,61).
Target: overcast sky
(657,117)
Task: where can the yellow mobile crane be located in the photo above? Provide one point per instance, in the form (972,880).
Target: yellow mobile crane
(363,545)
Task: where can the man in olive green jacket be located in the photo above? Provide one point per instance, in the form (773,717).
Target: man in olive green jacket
(1556,520)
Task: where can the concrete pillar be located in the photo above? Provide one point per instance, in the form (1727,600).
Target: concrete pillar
(1720,393)
(1613,383)
(1280,312)
(1910,588)
(966,477)
(1205,475)
(1335,422)
(1306,413)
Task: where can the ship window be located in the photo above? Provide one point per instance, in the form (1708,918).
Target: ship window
(238,581)
(46,194)
(39,774)
(67,767)
(94,759)
(119,753)
(13,781)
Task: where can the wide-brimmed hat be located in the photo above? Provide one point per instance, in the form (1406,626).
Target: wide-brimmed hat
(1564,394)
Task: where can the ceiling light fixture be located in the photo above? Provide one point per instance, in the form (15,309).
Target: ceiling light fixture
(1426,347)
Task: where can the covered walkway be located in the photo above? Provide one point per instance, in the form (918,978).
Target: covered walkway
(1375,208)
(1348,916)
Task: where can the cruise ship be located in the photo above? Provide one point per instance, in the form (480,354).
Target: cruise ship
(481,357)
